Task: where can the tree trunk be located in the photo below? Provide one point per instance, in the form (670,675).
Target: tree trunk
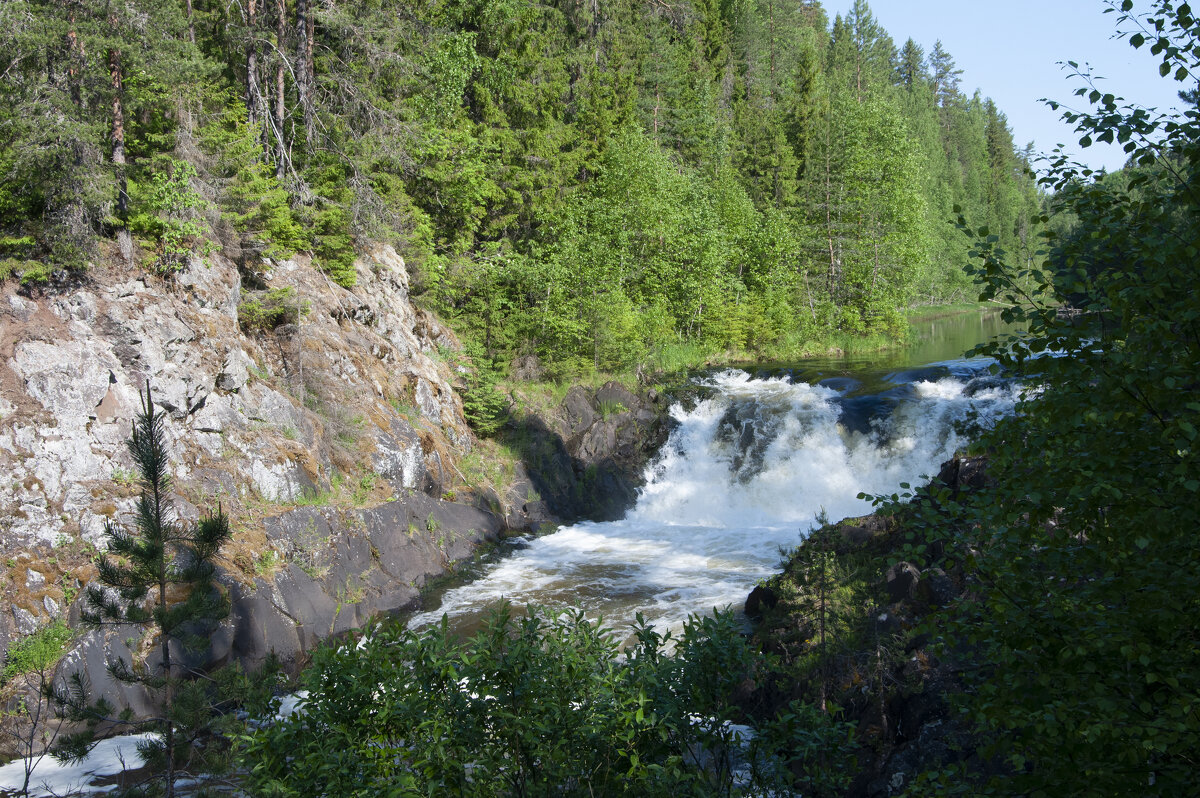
(254,98)
(162,567)
(118,130)
(116,72)
(304,66)
(191,18)
(76,57)
(281,153)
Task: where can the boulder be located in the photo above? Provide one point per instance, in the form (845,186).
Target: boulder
(578,410)
(935,588)
(901,581)
(761,598)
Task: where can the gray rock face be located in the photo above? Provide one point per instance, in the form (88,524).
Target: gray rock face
(358,391)
(342,568)
(588,459)
(26,622)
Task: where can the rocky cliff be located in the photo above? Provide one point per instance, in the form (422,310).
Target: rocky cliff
(323,420)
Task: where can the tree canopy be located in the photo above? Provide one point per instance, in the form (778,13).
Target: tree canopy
(733,173)
(1080,624)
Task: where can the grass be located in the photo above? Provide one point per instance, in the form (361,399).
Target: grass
(267,563)
(491,464)
(343,492)
(610,408)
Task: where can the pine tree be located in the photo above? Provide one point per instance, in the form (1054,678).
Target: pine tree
(139,577)
(945,75)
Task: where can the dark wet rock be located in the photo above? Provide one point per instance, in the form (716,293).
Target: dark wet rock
(761,598)
(987,383)
(901,581)
(964,474)
(936,589)
(923,374)
(748,428)
(840,384)
(587,458)
(858,413)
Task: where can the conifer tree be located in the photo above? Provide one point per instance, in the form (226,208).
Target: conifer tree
(140,576)
(945,74)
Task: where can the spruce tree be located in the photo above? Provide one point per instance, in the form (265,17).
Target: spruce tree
(158,575)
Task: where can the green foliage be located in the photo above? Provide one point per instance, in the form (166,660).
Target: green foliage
(139,577)
(166,211)
(1084,566)
(274,308)
(252,196)
(484,406)
(540,704)
(600,185)
(39,651)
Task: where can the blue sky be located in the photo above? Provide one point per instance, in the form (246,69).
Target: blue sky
(1010,49)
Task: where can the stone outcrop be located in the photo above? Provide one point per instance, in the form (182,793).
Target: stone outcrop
(586,458)
(329,438)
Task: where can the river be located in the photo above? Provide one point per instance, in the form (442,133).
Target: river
(745,474)
(748,471)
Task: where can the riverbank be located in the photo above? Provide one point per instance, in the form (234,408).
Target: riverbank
(851,621)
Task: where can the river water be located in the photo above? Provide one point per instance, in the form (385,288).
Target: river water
(745,474)
(748,471)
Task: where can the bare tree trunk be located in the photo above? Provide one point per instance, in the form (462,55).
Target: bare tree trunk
(281,153)
(117,138)
(254,98)
(191,17)
(118,130)
(304,66)
(76,57)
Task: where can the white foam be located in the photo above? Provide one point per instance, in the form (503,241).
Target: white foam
(713,517)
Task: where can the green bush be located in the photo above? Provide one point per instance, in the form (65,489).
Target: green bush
(254,200)
(40,651)
(169,214)
(273,309)
(542,704)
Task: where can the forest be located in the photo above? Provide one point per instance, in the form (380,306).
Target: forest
(593,183)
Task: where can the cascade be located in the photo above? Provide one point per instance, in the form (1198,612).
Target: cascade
(745,474)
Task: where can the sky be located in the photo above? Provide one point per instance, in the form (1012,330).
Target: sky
(1012,51)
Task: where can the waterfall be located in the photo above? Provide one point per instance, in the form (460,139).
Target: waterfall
(745,474)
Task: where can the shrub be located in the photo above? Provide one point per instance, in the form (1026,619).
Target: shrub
(273,309)
(40,651)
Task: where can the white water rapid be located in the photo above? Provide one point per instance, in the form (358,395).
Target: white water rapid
(745,474)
